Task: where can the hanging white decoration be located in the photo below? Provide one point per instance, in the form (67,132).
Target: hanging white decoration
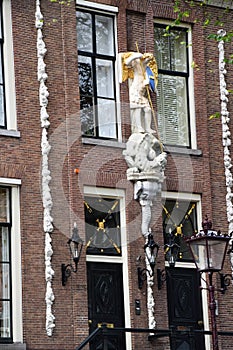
(45,174)
(150,297)
(226,134)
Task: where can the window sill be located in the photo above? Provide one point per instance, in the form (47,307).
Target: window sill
(14,346)
(100,142)
(180,150)
(9,133)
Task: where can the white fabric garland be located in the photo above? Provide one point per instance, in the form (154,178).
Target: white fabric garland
(45,175)
(226,135)
(150,297)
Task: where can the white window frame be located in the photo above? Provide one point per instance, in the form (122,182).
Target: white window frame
(16,282)
(192,197)
(108,10)
(9,77)
(192,119)
(123,259)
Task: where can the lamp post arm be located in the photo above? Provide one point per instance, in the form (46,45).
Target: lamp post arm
(212,307)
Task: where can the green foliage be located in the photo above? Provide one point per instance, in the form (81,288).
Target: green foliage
(215,115)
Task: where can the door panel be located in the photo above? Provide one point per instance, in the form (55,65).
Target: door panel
(106,303)
(185,308)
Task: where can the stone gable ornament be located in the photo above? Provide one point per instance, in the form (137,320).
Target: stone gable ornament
(144,152)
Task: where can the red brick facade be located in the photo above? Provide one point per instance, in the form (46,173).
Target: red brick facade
(102,166)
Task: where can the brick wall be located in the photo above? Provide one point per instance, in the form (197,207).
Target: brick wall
(21,158)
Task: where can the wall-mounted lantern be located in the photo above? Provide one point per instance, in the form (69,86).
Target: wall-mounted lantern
(75,246)
(151,251)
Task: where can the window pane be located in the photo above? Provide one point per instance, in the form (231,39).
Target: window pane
(5,282)
(4,204)
(107,118)
(5,319)
(104,35)
(102,219)
(178,51)
(104,71)
(162,51)
(180,217)
(173,110)
(0,22)
(1,75)
(86,95)
(84,31)
(4,244)
(2,114)
(85,76)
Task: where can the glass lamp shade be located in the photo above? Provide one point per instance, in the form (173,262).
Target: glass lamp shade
(209,250)
(171,253)
(151,249)
(76,244)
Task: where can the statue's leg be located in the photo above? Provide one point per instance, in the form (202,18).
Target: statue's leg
(136,115)
(146,218)
(147,116)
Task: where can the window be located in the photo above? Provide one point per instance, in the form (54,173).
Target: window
(10,264)
(8,123)
(102,218)
(96,64)
(5,265)
(180,219)
(172,55)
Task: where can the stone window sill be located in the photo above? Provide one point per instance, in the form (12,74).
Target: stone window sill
(14,346)
(122,145)
(100,142)
(9,133)
(180,150)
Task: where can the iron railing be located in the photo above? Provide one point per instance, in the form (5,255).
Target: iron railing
(173,332)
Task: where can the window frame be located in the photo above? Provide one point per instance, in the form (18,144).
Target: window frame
(116,220)
(192,197)
(2,65)
(10,128)
(191,124)
(16,271)
(189,197)
(93,55)
(8,224)
(89,190)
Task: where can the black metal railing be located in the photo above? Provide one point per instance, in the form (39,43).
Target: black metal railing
(173,332)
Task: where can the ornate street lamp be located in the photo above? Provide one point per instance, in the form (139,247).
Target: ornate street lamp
(151,251)
(209,248)
(171,249)
(75,246)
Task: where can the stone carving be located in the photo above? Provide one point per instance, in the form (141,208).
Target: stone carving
(144,158)
(145,192)
(143,154)
(141,69)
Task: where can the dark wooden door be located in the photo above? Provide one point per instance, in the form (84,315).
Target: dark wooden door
(106,304)
(185,308)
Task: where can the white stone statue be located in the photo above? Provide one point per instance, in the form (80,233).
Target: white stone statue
(141,69)
(144,158)
(146,192)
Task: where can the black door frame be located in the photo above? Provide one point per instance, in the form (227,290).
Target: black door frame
(186,314)
(106,302)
